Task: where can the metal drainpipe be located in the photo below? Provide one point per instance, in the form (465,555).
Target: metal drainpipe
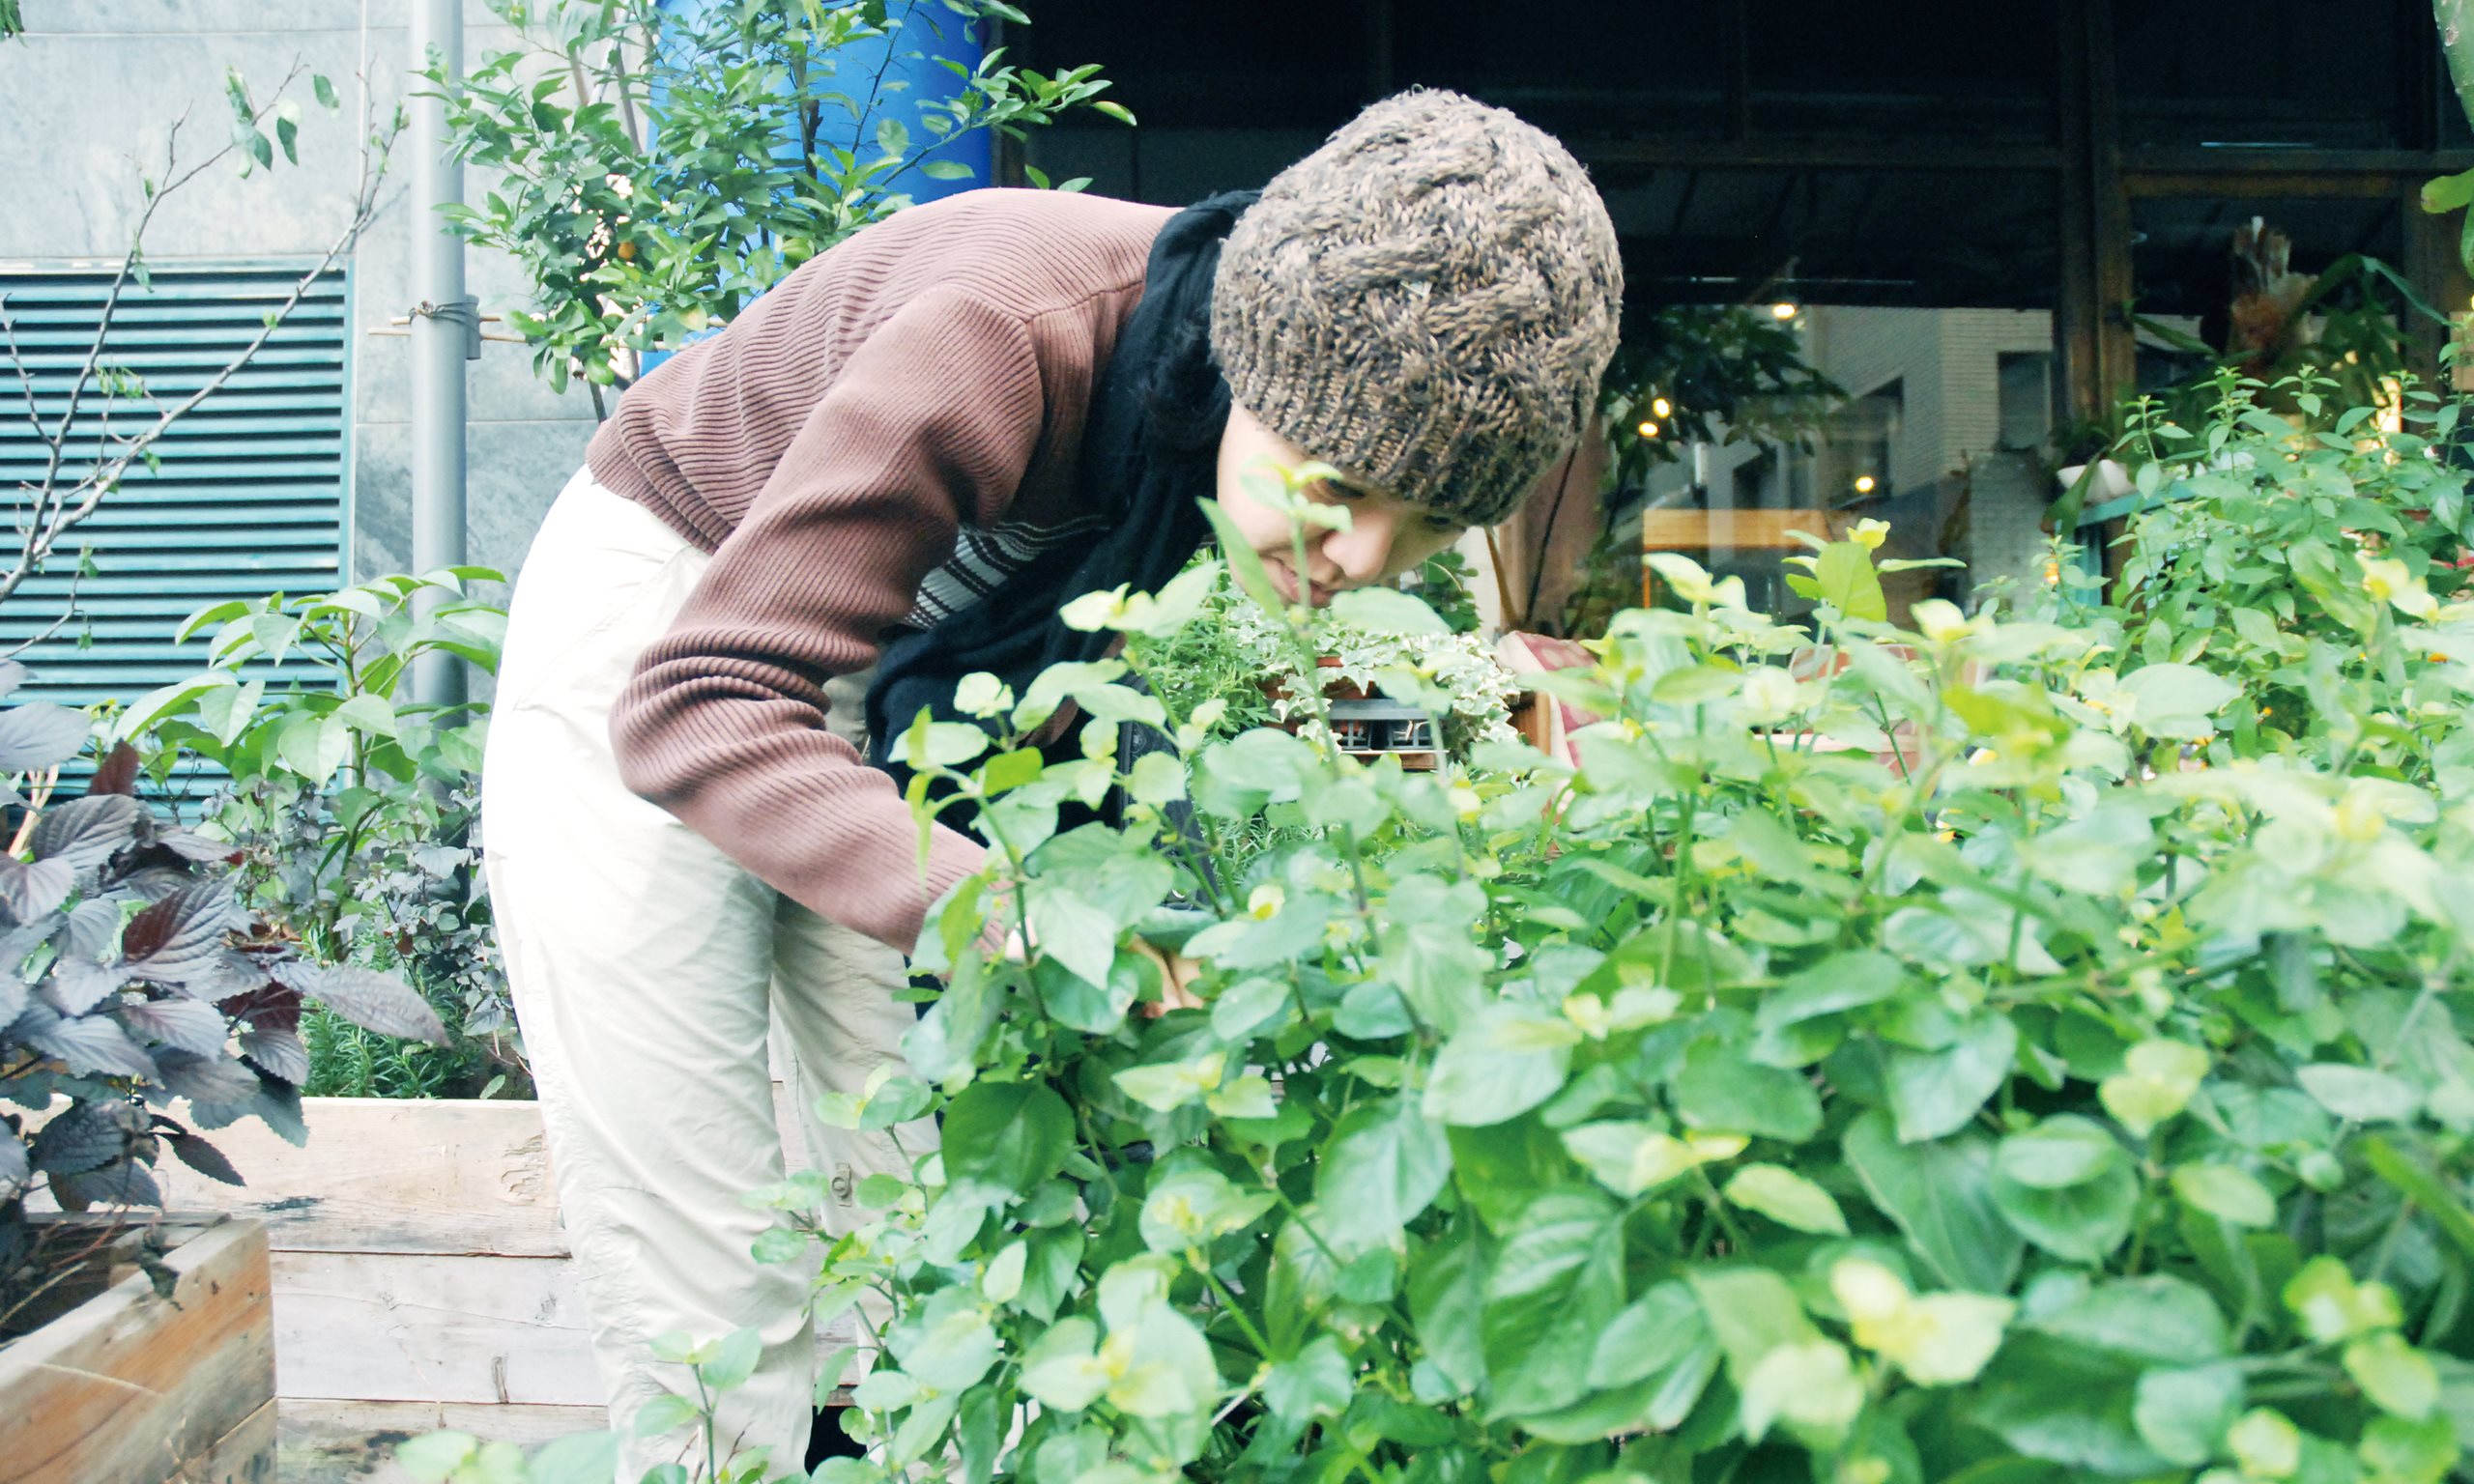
(446,334)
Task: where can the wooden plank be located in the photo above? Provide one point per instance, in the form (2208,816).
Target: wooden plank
(354,1442)
(1718,531)
(130,1389)
(369,1327)
(244,1455)
(381,1175)
(526,1423)
(386,1175)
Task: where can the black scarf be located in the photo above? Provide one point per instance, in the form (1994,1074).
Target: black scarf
(1150,444)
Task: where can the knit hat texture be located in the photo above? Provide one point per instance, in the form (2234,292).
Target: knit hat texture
(1425,302)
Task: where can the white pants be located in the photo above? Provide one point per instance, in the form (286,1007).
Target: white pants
(650,975)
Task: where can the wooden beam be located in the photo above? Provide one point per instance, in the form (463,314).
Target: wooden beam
(1380,22)
(2116,347)
(1614,156)
(2183,158)
(1736,40)
(2332,184)
(2077,311)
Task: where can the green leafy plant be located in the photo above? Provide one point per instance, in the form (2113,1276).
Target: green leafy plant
(354,810)
(660,167)
(1442,583)
(1709,373)
(1993,1054)
(131,976)
(1235,665)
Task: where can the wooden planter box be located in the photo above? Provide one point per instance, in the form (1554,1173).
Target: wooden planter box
(421,1278)
(130,1387)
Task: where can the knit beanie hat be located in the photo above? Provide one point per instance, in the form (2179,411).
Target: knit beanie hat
(1425,302)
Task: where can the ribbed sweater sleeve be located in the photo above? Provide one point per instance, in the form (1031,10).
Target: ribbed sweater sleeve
(931,422)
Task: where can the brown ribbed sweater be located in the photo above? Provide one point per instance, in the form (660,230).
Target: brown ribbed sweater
(923,383)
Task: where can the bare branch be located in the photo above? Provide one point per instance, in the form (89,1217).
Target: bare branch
(49,630)
(18,360)
(56,509)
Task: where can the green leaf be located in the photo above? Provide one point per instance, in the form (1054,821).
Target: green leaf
(1070,929)
(2155,1083)
(1244,563)
(1718,1089)
(1011,1135)
(1811,1384)
(1843,571)
(1654,1332)
(2063,1150)
(2183,1414)
(2332,1306)
(954,1347)
(1315,1383)
(733,1360)
(2449,192)
(1060,1370)
(1557,1275)
(2399,1379)
(1446,1294)
(324,89)
(1934,1093)
(1630,1157)
(667,1413)
(579,1458)
(2176,701)
(892,138)
(2155,1319)
(2359,1093)
(2422,1451)
(1385,611)
(1940,1196)
(2097,854)
(434,1456)
(1839,982)
(1752,1312)
(945,170)
(1188,1207)
(1386,1163)
(2082,1222)
(1786,1198)
(2227,1193)
(1509,1058)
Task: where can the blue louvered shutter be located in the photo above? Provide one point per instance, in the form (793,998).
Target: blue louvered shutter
(248,496)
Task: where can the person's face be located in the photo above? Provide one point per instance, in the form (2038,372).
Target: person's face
(1386,536)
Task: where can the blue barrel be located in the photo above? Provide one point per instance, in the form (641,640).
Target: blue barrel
(921,36)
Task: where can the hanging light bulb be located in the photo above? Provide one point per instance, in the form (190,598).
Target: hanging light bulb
(1782,311)
(1662,407)
(1865,484)
(1648,429)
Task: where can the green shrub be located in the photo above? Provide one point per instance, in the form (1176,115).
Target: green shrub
(1995,1051)
(355,810)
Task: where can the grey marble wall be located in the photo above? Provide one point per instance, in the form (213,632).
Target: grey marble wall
(87,99)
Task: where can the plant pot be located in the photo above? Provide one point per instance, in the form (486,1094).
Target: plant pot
(132,1387)
(1335,688)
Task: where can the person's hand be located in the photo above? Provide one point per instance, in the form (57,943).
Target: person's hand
(1176,975)
(1176,978)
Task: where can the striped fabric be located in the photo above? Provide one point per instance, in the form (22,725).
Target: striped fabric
(983,558)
